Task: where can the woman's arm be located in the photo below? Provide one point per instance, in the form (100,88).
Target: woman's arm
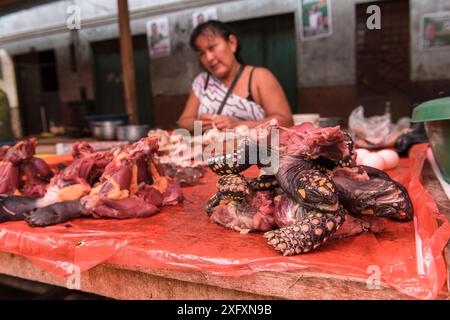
(270,95)
(189,114)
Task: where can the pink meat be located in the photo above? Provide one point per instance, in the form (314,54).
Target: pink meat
(115,197)
(254,214)
(287,211)
(3,151)
(21,171)
(313,142)
(131,207)
(173,195)
(9,177)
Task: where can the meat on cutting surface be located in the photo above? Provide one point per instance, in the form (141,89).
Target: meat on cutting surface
(319,181)
(21,173)
(69,184)
(122,191)
(77,179)
(256,213)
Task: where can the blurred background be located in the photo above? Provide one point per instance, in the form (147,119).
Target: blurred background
(55,73)
(62,70)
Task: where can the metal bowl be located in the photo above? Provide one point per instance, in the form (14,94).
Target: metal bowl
(132,132)
(105,130)
(329,122)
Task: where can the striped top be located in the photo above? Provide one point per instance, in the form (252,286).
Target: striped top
(212,96)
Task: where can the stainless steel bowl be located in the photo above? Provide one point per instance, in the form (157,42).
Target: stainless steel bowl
(105,130)
(329,122)
(132,132)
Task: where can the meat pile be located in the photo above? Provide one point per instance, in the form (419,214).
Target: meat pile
(122,183)
(176,157)
(316,190)
(21,173)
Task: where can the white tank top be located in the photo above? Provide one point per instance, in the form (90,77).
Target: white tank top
(213,94)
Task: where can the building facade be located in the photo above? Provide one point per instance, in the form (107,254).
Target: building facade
(330,75)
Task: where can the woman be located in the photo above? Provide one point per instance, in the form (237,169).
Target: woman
(255,96)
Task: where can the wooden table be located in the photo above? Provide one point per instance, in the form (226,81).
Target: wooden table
(128,283)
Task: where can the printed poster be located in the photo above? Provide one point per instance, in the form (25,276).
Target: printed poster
(435,30)
(201,16)
(158,37)
(315,19)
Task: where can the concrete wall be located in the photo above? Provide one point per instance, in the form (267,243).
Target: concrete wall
(427,64)
(8,85)
(325,67)
(171,76)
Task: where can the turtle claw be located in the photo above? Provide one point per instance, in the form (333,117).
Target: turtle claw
(306,234)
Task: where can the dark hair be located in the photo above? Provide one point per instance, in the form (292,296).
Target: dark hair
(216,27)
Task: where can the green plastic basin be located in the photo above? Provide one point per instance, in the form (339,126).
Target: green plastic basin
(436,115)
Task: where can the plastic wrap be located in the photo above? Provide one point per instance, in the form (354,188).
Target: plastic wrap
(182,238)
(375,131)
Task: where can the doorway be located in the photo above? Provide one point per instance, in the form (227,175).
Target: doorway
(37,88)
(383,59)
(270,42)
(109,91)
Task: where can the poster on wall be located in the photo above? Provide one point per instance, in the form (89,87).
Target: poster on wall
(201,16)
(435,30)
(315,19)
(158,37)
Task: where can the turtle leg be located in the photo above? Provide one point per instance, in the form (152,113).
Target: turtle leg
(307,233)
(263,183)
(231,163)
(315,190)
(231,187)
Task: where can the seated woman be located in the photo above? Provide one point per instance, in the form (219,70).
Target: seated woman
(230,93)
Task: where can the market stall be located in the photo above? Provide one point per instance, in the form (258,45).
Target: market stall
(179,253)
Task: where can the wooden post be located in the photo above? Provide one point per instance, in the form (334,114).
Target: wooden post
(126,53)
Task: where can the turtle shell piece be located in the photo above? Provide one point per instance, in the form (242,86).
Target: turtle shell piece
(233,187)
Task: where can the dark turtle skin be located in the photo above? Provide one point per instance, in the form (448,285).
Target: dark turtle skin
(378,196)
(231,163)
(315,189)
(263,183)
(213,202)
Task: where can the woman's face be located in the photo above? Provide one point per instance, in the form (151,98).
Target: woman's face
(216,54)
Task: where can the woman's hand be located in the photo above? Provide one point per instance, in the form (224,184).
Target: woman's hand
(207,121)
(225,122)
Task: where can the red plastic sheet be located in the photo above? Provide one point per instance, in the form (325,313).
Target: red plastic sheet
(408,255)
